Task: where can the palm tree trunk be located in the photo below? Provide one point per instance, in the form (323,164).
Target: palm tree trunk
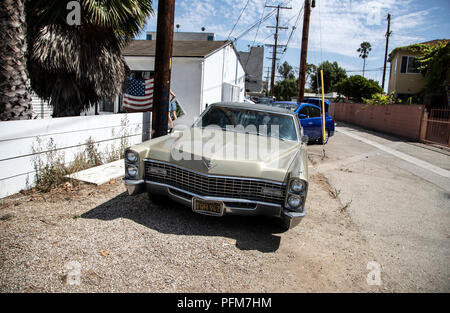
(364,66)
(15,99)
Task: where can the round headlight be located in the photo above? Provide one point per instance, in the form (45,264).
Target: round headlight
(294,201)
(296,186)
(132,170)
(131,156)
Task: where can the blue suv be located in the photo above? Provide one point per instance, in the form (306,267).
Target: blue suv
(311,119)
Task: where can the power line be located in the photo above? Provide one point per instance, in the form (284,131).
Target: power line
(246,4)
(256,35)
(269,15)
(262,15)
(274,56)
(294,28)
(370,70)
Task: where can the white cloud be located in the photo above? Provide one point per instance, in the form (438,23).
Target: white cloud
(337,26)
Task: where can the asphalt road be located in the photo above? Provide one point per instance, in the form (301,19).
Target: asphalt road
(398,195)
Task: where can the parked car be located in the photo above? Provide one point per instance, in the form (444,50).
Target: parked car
(248,100)
(311,119)
(285,105)
(264,100)
(317,102)
(274,183)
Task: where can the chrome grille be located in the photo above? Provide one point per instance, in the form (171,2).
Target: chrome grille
(214,186)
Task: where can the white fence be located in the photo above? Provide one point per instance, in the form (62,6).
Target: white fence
(20,139)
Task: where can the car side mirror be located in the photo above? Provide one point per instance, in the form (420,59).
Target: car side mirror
(305,139)
(302,116)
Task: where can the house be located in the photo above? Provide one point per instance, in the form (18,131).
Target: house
(203,72)
(405,79)
(185,36)
(253,67)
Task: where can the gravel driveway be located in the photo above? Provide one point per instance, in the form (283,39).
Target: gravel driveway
(128,244)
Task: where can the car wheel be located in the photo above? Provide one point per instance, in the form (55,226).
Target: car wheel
(327,135)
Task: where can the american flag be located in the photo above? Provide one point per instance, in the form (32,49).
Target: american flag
(139,95)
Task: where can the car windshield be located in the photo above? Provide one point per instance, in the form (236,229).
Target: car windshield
(288,106)
(249,121)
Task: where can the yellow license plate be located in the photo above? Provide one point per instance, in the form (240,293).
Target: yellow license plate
(208,207)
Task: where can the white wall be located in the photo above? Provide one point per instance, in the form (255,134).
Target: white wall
(185,79)
(190,74)
(222,74)
(17,139)
(213,78)
(186,83)
(233,71)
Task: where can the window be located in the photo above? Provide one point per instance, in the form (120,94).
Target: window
(393,68)
(305,111)
(149,37)
(106,105)
(314,112)
(409,65)
(239,119)
(210,38)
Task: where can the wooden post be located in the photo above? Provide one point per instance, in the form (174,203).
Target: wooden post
(388,33)
(304,52)
(163,65)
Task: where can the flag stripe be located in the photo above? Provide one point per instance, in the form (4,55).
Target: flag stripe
(139,96)
(141,104)
(138,99)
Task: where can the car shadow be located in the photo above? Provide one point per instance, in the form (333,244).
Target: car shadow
(250,232)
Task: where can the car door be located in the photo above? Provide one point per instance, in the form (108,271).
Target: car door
(308,127)
(315,121)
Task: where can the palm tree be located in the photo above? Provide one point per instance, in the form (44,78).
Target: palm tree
(364,50)
(15,100)
(76,66)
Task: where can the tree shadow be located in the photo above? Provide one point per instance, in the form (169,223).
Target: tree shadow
(250,232)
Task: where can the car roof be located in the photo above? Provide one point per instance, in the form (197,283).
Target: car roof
(251,106)
(313,98)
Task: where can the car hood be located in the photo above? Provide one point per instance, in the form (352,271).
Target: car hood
(227,153)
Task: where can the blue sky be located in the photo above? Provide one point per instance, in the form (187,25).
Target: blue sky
(336,30)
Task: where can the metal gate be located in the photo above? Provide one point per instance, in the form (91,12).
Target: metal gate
(438,126)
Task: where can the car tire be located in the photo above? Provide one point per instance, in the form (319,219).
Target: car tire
(327,132)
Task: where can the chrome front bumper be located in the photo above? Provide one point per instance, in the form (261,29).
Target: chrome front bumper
(232,206)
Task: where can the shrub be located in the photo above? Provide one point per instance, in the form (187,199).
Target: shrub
(50,165)
(382,99)
(358,87)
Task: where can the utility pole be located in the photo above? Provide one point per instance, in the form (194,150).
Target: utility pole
(388,33)
(163,65)
(268,76)
(304,52)
(275,46)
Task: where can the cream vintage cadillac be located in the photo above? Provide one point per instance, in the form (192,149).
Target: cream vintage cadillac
(237,158)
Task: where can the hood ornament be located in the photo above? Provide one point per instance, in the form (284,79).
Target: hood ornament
(209,163)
